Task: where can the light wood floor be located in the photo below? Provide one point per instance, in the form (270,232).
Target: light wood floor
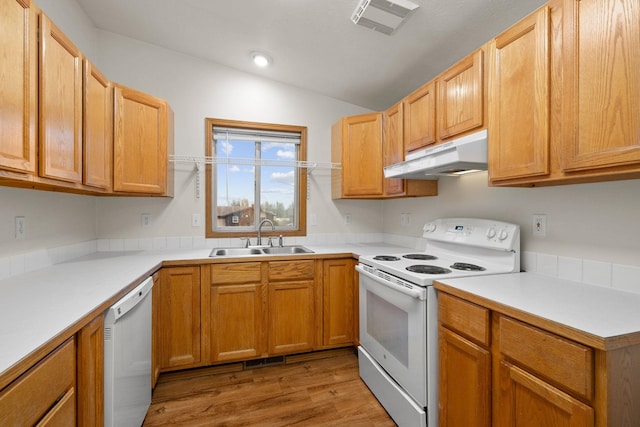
(317,392)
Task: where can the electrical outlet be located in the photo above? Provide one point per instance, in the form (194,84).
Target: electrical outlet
(146,220)
(405,219)
(21,228)
(347,219)
(314,219)
(539,225)
(195,220)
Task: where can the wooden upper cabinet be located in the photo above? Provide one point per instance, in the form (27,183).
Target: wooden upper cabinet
(393,147)
(98,128)
(420,118)
(601,91)
(519,99)
(18,86)
(60,105)
(356,143)
(143,138)
(460,97)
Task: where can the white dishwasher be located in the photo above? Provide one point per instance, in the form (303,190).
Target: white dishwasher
(127,358)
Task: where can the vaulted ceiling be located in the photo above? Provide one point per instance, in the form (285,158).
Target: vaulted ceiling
(313,43)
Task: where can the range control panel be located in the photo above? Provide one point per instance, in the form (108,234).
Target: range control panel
(474,232)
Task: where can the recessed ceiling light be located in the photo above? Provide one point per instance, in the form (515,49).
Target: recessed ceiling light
(261,59)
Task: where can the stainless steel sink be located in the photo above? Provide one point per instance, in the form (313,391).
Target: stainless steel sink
(280,250)
(275,250)
(235,252)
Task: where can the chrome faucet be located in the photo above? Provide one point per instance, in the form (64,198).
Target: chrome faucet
(273,228)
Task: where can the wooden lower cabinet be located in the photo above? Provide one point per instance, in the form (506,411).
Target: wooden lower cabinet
(528,401)
(236,322)
(45,395)
(465,382)
(272,308)
(501,370)
(179,318)
(339,305)
(236,311)
(291,306)
(90,355)
(156,333)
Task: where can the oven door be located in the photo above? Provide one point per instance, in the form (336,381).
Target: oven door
(393,332)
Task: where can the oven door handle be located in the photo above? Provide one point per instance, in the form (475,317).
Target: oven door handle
(416,292)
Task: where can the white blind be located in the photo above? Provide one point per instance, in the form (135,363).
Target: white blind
(235,134)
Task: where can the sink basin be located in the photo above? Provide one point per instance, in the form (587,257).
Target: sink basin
(280,250)
(276,250)
(235,252)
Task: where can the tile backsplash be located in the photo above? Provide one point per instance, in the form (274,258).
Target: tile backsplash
(590,272)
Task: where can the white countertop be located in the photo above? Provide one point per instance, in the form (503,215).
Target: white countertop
(601,312)
(36,307)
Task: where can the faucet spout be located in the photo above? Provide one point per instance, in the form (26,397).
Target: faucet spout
(268,221)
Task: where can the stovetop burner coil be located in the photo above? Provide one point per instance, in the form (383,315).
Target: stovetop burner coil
(386,258)
(421,257)
(427,269)
(467,267)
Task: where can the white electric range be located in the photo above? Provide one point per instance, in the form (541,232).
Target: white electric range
(398,309)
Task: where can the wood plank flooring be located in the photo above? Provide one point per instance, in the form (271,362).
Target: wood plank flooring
(306,392)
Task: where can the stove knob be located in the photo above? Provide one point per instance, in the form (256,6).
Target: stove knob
(429,228)
(491,233)
(503,235)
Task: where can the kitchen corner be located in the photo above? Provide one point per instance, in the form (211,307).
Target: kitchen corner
(40,308)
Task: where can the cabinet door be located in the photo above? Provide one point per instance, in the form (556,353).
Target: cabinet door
(156,332)
(460,97)
(291,317)
(420,118)
(60,105)
(18,86)
(527,401)
(601,91)
(393,147)
(362,155)
(464,388)
(338,304)
(91,373)
(141,140)
(98,128)
(519,100)
(236,322)
(180,317)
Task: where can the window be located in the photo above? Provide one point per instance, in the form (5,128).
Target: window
(254,174)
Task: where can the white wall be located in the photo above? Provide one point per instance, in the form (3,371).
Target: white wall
(197,89)
(52,219)
(589,221)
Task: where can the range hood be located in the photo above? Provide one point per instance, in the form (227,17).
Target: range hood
(456,157)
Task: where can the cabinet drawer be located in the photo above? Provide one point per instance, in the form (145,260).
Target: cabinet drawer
(565,363)
(63,414)
(291,270)
(467,319)
(48,385)
(242,272)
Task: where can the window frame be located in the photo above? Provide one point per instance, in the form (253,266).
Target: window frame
(302,178)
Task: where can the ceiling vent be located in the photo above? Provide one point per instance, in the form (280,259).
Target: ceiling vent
(384,16)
